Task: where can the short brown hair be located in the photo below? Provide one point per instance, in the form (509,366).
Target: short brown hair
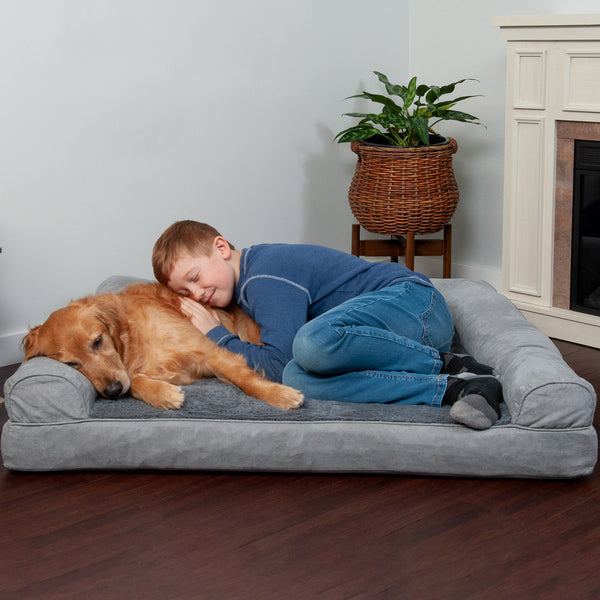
(182,237)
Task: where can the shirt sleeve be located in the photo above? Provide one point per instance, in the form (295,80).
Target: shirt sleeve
(280,308)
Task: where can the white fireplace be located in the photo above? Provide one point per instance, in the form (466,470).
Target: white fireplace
(552,98)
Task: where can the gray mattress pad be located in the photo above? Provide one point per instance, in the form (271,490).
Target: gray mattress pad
(216,400)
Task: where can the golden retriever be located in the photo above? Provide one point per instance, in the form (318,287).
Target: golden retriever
(138,341)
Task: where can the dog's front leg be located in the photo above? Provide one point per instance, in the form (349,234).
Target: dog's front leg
(159,394)
(233,368)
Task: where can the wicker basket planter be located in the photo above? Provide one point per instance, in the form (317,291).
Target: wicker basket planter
(400,190)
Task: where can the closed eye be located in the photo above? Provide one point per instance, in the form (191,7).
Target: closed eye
(97,343)
(73,363)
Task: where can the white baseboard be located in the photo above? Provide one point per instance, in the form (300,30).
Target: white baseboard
(432,267)
(10,348)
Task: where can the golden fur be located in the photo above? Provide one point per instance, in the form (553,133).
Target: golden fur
(138,341)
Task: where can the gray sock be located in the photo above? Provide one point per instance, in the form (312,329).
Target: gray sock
(473,411)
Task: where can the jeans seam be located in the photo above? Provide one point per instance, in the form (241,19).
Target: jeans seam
(424,317)
(442,382)
(405,288)
(343,331)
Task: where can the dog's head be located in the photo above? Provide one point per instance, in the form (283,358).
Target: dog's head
(83,336)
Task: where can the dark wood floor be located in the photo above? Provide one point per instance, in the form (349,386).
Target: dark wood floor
(149,535)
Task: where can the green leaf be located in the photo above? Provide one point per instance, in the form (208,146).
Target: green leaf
(410,93)
(433,94)
(421,127)
(378,98)
(394,90)
(359,115)
(455,115)
(356,133)
(382,77)
(448,89)
(454,101)
(422,90)
(379,119)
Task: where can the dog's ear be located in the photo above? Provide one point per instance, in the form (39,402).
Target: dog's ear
(30,343)
(108,314)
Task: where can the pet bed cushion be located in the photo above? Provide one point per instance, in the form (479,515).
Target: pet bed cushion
(56,421)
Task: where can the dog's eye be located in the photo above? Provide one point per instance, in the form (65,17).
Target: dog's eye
(73,363)
(97,343)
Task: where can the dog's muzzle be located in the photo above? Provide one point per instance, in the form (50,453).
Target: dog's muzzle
(113,389)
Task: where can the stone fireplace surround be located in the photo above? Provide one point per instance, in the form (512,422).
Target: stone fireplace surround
(552,99)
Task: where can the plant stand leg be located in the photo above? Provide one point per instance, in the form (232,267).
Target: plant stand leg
(447,261)
(356,239)
(409,257)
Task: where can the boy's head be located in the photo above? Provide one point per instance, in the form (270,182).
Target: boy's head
(181,238)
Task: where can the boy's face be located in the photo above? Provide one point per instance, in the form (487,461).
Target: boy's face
(209,279)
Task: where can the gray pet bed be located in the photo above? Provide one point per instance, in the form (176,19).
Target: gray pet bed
(57,421)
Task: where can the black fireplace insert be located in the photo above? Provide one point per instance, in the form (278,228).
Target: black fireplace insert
(585,251)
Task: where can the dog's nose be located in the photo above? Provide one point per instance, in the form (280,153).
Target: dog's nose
(113,389)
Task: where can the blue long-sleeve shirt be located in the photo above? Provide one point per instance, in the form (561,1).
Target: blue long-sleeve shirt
(282,286)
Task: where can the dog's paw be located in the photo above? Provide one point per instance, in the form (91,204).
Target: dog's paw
(159,394)
(173,400)
(288,398)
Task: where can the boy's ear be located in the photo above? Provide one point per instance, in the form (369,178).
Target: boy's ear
(222,245)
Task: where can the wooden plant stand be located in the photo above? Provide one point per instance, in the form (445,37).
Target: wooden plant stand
(407,246)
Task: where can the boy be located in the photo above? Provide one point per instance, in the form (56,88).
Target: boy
(334,326)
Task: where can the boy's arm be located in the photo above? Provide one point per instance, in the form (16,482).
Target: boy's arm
(280,309)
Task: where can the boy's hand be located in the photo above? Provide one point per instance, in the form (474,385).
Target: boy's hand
(202,318)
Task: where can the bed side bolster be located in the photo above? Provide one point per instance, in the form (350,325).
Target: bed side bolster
(540,389)
(43,390)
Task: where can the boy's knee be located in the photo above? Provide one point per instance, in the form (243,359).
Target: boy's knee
(303,347)
(292,374)
(312,345)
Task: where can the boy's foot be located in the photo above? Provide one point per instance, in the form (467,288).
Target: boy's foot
(475,400)
(455,364)
(474,411)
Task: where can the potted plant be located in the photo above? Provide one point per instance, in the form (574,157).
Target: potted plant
(404,181)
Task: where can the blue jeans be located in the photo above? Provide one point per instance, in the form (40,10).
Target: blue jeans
(380,346)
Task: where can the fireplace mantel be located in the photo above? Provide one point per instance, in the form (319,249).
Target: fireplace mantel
(553,76)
